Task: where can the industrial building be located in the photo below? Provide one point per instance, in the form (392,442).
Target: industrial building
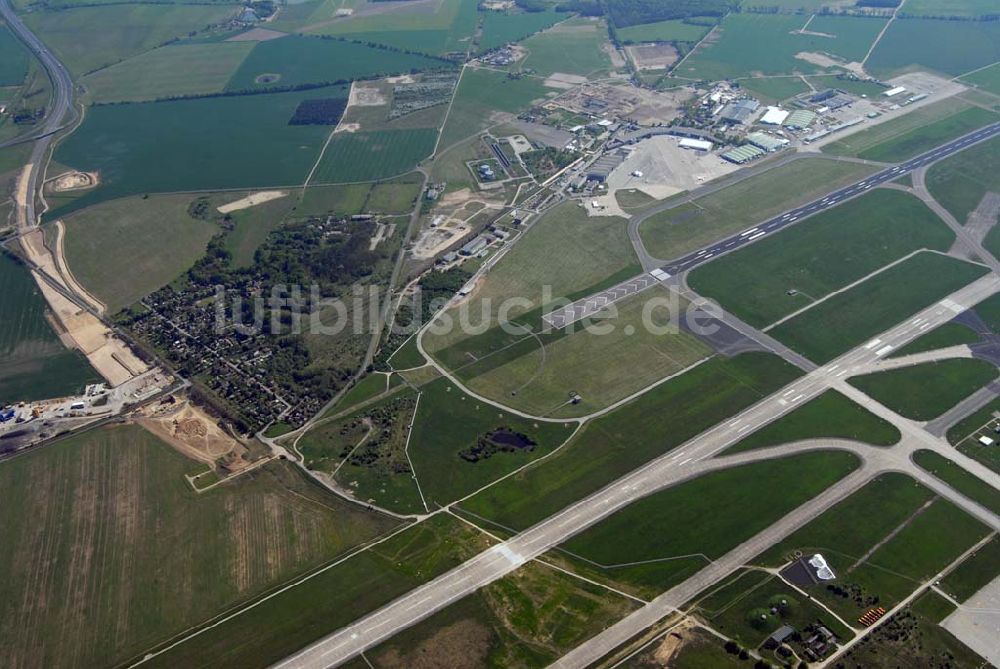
(800,119)
(893,92)
(474,246)
(605,165)
(486,173)
(769,143)
(740,111)
(743,154)
(695,144)
(774,116)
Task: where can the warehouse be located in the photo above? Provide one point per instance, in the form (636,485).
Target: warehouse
(800,119)
(475,246)
(769,143)
(740,111)
(743,154)
(695,144)
(774,116)
(893,92)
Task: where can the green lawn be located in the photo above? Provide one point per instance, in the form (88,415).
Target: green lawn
(500,28)
(949,334)
(128,546)
(151,147)
(959,182)
(830,415)
(775,89)
(974,573)
(964,8)
(959,47)
(571,47)
(864,235)
(178,69)
(849,318)
(13,59)
(125,249)
(675,30)
(407,356)
(344,199)
(651,425)
(688,227)
(930,136)
(925,391)
(298,60)
(34,364)
(987,79)
(967,484)
(367,388)
(92,37)
(365,156)
(674,531)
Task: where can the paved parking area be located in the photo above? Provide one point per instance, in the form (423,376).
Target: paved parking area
(977,622)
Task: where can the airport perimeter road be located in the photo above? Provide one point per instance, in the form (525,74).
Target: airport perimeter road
(588,306)
(675,466)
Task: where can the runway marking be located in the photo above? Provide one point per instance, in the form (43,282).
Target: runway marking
(885,349)
(796,398)
(782,402)
(683,462)
(678,455)
(951,304)
(872,344)
(743,429)
(508,554)
(841,373)
(756,236)
(924,326)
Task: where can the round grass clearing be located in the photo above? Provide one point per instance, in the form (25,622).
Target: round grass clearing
(267,78)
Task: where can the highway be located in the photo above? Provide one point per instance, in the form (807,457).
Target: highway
(592,304)
(684,462)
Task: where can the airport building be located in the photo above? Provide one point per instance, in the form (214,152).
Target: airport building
(743,154)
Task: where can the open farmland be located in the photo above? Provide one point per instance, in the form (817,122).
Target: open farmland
(683,522)
(170,71)
(13,59)
(106,524)
(297,60)
(631,435)
(123,250)
(959,46)
(843,321)
(151,147)
(33,362)
(951,8)
(331,599)
(926,391)
(365,156)
(691,226)
(775,89)
(756,44)
(500,28)
(89,38)
(675,30)
(865,234)
(960,181)
(571,47)
(987,78)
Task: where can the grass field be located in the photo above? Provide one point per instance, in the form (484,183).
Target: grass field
(849,318)
(178,69)
(13,59)
(106,524)
(830,415)
(987,79)
(958,478)
(926,391)
(407,356)
(544,371)
(499,28)
(151,147)
(633,434)
(481,98)
(675,30)
(960,181)
(763,44)
(949,334)
(959,47)
(449,422)
(284,624)
(865,234)
(912,124)
(974,573)
(775,89)
(365,156)
(298,60)
(674,532)
(123,250)
(572,47)
(688,227)
(33,362)
(965,435)
(965,8)
(89,38)
(251,226)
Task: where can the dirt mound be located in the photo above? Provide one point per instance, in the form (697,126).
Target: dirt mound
(464,645)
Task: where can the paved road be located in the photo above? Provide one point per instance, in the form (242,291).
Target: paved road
(589,305)
(691,459)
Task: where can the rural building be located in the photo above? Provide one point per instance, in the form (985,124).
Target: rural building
(893,92)
(740,111)
(743,154)
(474,246)
(695,144)
(985,441)
(779,636)
(774,116)
(769,143)
(448,257)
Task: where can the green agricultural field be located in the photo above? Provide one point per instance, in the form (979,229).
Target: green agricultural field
(407,356)
(526,619)
(170,71)
(343,199)
(910,125)
(13,59)
(152,147)
(397,196)
(544,370)
(365,156)
(831,415)
(974,573)
(958,478)
(123,250)
(331,599)
(676,30)
(962,8)
(847,319)
(427,28)
(635,433)
(987,78)
(371,386)
(33,362)
(572,47)
(763,44)
(298,60)
(449,425)
(674,532)
(925,391)
(482,93)
(949,334)
(691,226)
(775,89)
(89,38)
(127,542)
(500,28)
(864,234)
(959,182)
(959,47)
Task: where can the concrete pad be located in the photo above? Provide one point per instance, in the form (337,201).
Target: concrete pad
(977,622)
